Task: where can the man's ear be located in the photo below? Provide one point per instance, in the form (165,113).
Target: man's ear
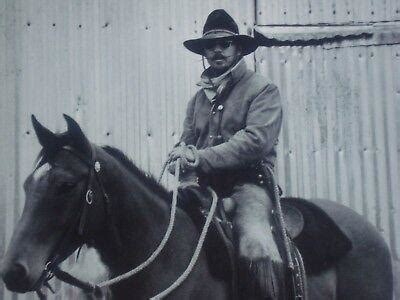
(240,50)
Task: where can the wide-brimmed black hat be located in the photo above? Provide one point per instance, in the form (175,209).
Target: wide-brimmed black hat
(220,24)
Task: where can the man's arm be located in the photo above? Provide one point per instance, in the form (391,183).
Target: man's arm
(188,134)
(250,144)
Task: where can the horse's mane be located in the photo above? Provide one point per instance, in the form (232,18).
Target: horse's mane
(148,179)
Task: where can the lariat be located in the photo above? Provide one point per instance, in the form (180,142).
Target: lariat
(95,289)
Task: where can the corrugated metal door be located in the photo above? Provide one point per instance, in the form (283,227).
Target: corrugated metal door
(336,64)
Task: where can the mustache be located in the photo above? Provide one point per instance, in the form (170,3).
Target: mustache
(215,56)
(218,56)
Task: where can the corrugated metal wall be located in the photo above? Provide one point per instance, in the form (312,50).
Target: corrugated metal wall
(340,134)
(120,69)
(290,12)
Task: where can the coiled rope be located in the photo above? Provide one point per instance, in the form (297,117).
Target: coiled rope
(281,220)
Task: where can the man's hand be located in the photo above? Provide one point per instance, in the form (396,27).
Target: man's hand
(183,167)
(171,167)
(183,152)
(186,155)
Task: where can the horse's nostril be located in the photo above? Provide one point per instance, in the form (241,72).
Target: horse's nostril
(16,273)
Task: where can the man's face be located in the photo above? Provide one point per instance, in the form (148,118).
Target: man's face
(222,53)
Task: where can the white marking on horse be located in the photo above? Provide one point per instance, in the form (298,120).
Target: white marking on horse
(41,171)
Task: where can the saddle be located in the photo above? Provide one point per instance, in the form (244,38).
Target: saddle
(309,226)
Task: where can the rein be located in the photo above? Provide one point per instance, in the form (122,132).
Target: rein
(52,269)
(161,246)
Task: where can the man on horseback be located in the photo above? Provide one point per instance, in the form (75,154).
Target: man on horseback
(233,122)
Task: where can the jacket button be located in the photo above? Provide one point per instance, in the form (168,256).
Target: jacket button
(261,182)
(210,136)
(220,107)
(260,176)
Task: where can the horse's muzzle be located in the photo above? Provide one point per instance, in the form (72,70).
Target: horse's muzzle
(15,277)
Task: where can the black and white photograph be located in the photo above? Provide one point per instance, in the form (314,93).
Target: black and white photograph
(200,149)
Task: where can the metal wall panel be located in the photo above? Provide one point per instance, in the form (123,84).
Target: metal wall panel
(118,67)
(290,12)
(345,96)
(340,136)
(8,159)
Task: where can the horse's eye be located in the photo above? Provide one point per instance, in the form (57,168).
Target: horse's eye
(65,187)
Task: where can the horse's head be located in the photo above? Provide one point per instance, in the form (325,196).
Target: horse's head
(53,219)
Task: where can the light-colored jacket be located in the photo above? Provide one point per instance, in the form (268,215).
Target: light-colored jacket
(240,128)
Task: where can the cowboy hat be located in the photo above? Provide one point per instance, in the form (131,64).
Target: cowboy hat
(220,25)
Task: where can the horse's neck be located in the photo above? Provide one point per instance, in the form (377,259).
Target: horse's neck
(140,215)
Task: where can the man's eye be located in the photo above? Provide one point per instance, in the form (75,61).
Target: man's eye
(65,187)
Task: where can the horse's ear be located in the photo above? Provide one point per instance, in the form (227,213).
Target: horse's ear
(47,139)
(77,137)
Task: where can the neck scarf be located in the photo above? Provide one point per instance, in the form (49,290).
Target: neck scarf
(215,86)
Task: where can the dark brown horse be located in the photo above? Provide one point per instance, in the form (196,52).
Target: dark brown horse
(127,225)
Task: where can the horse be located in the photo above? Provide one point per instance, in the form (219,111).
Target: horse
(80,193)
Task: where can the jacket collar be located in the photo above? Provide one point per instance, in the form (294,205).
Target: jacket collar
(214,86)
(236,72)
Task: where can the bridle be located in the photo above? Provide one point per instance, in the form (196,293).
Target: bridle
(77,224)
(52,269)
